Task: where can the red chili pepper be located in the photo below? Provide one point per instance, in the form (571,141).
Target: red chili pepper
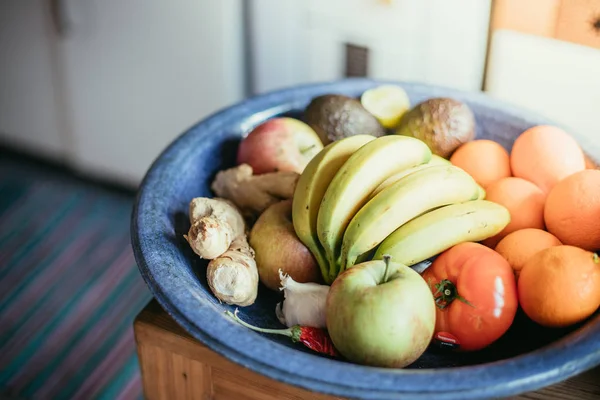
(316,339)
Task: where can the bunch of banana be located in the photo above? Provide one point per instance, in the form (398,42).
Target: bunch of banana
(337,182)
(311,187)
(400,202)
(363,197)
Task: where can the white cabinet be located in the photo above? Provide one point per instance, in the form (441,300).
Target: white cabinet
(127,77)
(139,72)
(435,41)
(29,107)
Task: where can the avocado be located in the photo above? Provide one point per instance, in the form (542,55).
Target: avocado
(334,117)
(442,123)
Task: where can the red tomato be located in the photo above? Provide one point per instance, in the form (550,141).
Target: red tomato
(476,295)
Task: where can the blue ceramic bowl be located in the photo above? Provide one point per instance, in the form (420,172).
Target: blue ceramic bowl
(526,358)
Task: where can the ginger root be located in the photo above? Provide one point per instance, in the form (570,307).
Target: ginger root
(218,233)
(252,194)
(215,224)
(233,276)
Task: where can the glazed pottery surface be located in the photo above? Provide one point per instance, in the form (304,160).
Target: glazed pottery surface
(526,358)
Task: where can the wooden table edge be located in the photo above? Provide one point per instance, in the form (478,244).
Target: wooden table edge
(174,365)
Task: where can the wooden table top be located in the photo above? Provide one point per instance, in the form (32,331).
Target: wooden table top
(154,327)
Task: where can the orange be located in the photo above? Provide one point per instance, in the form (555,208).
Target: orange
(485,160)
(519,246)
(572,211)
(545,155)
(560,286)
(524,201)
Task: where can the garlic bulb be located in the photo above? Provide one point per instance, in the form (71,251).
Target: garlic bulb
(303,304)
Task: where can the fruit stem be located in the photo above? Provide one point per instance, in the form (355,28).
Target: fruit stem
(333,267)
(447,294)
(386,259)
(596,258)
(323,263)
(289,332)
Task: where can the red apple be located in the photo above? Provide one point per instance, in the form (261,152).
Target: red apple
(276,247)
(279,144)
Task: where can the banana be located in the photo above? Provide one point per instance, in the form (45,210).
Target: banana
(349,190)
(311,187)
(438,230)
(406,199)
(396,177)
(435,160)
(482,193)
(438,160)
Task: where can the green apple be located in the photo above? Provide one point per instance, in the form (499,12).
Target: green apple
(380,313)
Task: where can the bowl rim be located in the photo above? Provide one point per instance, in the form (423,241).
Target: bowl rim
(573,354)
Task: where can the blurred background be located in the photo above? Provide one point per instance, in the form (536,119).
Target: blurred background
(92,91)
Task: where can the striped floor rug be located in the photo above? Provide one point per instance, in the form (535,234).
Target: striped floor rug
(69,286)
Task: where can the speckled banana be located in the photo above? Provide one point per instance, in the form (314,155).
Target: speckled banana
(407,198)
(357,178)
(440,229)
(311,187)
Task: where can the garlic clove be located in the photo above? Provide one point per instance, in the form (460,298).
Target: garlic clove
(303,304)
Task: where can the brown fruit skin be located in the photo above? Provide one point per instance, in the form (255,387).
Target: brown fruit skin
(276,246)
(335,117)
(442,123)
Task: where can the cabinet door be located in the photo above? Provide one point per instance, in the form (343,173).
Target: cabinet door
(140,72)
(29,108)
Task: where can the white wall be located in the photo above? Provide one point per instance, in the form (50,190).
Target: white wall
(557,79)
(435,41)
